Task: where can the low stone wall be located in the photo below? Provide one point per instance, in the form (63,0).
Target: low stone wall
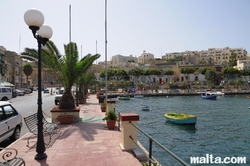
(75,112)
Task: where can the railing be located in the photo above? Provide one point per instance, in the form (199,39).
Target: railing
(151,140)
(118,120)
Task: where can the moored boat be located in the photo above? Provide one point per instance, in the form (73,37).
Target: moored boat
(181,118)
(123,97)
(145,107)
(138,96)
(208,95)
(218,93)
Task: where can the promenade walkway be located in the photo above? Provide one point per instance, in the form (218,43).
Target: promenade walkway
(87,143)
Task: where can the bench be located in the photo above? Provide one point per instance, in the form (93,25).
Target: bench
(48,128)
(8,155)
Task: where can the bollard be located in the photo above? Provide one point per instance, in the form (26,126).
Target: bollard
(110,105)
(128,130)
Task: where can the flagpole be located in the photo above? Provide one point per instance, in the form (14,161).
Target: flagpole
(69,23)
(106,65)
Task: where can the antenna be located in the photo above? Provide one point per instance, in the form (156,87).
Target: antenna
(70,23)
(96,49)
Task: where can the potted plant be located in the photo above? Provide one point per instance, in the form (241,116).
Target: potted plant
(64,118)
(110,118)
(103,107)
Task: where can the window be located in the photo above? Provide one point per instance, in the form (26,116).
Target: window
(1,115)
(9,111)
(6,90)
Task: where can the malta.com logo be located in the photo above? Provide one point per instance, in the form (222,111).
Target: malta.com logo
(210,159)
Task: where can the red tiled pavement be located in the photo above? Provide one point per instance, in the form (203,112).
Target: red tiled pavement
(87,143)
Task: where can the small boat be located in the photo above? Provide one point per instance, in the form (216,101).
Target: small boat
(145,107)
(123,97)
(248,97)
(138,96)
(208,95)
(181,118)
(218,93)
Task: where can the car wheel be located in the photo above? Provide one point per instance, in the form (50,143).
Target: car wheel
(4,99)
(15,135)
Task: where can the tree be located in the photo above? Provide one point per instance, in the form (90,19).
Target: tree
(187,71)
(27,69)
(169,72)
(121,74)
(84,81)
(136,72)
(233,59)
(229,71)
(66,68)
(110,73)
(204,69)
(211,76)
(245,72)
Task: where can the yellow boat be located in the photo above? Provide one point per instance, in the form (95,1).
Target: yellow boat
(181,118)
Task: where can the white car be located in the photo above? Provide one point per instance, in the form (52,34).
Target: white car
(20,92)
(10,122)
(59,95)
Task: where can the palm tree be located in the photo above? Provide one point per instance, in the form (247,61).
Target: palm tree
(66,68)
(84,81)
(27,69)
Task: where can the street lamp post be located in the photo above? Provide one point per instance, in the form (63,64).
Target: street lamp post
(35,19)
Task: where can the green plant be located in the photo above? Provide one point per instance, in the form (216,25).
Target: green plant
(111,115)
(67,68)
(147,164)
(103,104)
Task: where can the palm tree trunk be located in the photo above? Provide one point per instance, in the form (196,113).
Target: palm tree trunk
(67,101)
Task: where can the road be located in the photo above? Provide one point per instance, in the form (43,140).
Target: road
(27,105)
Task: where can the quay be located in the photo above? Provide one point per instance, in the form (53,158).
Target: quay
(87,142)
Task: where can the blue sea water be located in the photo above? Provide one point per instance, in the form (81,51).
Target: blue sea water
(222,128)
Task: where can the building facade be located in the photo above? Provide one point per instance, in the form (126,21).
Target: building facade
(145,57)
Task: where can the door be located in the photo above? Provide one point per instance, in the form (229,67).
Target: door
(11,117)
(3,126)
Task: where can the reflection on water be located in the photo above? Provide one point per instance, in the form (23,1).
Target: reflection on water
(185,128)
(222,127)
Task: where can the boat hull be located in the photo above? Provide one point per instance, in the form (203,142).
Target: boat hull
(138,96)
(209,96)
(145,107)
(123,98)
(177,118)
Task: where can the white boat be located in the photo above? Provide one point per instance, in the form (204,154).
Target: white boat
(138,96)
(208,95)
(218,93)
(145,107)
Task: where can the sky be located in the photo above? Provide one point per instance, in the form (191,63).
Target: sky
(156,26)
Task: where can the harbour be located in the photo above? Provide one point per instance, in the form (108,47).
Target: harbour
(222,127)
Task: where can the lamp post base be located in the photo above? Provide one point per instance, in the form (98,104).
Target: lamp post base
(40,156)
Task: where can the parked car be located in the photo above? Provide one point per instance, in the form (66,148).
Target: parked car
(20,92)
(46,91)
(10,122)
(5,93)
(27,91)
(59,96)
(14,93)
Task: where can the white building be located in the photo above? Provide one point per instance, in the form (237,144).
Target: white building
(145,57)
